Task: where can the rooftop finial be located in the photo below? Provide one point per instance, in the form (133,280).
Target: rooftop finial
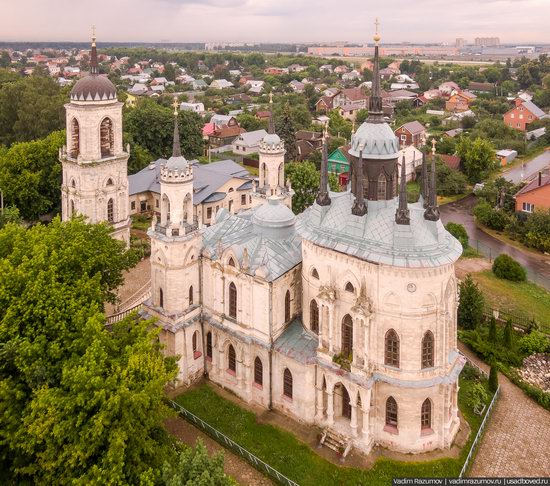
(402,215)
(377,35)
(433,147)
(432,211)
(175,106)
(93,56)
(359,207)
(376,114)
(323,198)
(271,126)
(176,147)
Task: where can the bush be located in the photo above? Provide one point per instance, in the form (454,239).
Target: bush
(507,268)
(459,232)
(535,342)
(493,378)
(470,307)
(508,335)
(495,219)
(493,330)
(478,396)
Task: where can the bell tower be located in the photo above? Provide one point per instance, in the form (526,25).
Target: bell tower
(95,165)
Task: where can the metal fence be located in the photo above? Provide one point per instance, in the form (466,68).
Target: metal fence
(491,253)
(520,321)
(479,434)
(232,445)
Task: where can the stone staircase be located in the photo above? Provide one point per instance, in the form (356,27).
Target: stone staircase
(339,443)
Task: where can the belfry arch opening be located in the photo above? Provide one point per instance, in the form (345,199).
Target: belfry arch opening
(75,138)
(107,138)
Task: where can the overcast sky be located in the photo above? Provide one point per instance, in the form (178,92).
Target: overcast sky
(274,20)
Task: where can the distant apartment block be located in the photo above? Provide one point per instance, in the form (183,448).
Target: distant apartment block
(460,42)
(487,41)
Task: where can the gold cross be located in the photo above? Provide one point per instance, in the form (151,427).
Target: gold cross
(433,146)
(376,23)
(93,34)
(175,105)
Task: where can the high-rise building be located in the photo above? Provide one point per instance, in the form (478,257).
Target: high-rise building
(460,42)
(487,41)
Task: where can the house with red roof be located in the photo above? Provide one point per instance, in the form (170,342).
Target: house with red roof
(535,195)
(522,114)
(412,133)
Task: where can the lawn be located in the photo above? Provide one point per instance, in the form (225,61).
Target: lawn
(523,298)
(299,462)
(141,222)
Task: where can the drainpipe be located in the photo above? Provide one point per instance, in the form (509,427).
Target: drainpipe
(269,406)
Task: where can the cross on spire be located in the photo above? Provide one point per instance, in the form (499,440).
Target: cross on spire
(377,35)
(93,54)
(176,147)
(175,106)
(271,125)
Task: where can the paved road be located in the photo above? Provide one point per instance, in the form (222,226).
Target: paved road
(517,438)
(460,212)
(519,173)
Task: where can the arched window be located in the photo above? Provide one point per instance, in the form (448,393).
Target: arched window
(287,306)
(110,182)
(347,335)
(231,262)
(346,405)
(381,187)
(107,138)
(73,184)
(72,211)
(161,297)
(258,371)
(191,295)
(391,348)
(314,316)
(209,345)
(75,138)
(232,300)
(287,383)
(426,415)
(315,274)
(391,412)
(231,189)
(110,211)
(350,288)
(428,350)
(231,359)
(195,341)
(265,172)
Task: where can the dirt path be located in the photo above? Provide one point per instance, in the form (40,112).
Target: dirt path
(517,439)
(234,466)
(464,266)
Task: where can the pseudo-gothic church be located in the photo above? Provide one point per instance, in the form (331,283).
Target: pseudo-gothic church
(343,317)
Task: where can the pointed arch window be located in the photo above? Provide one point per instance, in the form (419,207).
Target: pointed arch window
(258,371)
(110,182)
(209,345)
(191,295)
(349,287)
(72,211)
(428,350)
(381,187)
(287,306)
(391,412)
(231,359)
(314,316)
(232,300)
(346,405)
(315,274)
(196,352)
(391,349)
(75,138)
(347,335)
(161,297)
(107,138)
(231,262)
(111,211)
(287,383)
(426,415)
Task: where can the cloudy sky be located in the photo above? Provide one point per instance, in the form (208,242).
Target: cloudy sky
(274,20)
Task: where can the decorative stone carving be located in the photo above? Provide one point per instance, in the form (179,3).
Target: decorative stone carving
(327,293)
(363,304)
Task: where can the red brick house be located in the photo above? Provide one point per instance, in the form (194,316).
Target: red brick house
(523,113)
(535,195)
(325,104)
(412,133)
(459,102)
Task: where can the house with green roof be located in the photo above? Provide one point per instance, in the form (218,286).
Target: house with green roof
(339,160)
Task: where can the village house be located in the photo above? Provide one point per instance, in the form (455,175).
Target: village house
(194,107)
(523,113)
(460,101)
(221,84)
(339,160)
(248,142)
(535,195)
(275,71)
(297,86)
(412,133)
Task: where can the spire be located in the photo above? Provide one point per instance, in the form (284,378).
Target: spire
(271,126)
(359,207)
(323,199)
(93,57)
(375,101)
(432,211)
(402,215)
(176,147)
(425,183)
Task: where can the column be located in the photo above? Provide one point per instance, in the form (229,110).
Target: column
(366,413)
(357,352)
(366,345)
(353,422)
(330,329)
(240,373)
(319,404)
(321,323)
(330,409)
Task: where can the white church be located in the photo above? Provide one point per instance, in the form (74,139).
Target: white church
(343,317)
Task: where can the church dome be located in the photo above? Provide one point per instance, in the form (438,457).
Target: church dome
(272,139)
(93,88)
(273,217)
(176,163)
(377,141)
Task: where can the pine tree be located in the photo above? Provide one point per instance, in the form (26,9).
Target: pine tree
(493,378)
(286,129)
(470,307)
(493,330)
(508,334)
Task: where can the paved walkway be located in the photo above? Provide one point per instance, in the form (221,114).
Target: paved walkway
(517,439)
(525,171)
(234,466)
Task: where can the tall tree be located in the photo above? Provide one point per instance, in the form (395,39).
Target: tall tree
(478,157)
(470,307)
(286,129)
(30,175)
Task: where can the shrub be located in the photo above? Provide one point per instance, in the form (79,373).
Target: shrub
(470,307)
(495,219)
(535,342)
(470,372)
(459,232)
(493,378)
(508,335)
(507,268)
(478,396)
(493,330)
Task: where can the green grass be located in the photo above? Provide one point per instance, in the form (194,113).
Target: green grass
(413,191)
(299,462)
(470,252)
(517,297)
(141,222)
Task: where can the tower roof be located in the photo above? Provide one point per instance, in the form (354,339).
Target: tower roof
(176,161)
